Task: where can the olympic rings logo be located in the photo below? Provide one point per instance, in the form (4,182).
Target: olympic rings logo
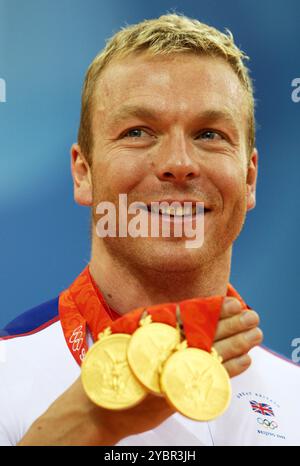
(265,422)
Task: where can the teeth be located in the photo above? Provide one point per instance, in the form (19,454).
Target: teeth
(166,210)
(178,211)
(154,209)
(190,210)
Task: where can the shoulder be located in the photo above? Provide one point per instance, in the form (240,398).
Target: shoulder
(34,342)
(269,372)
(34,339)
(36,366)
(33,350)
(32,321)
(274,359)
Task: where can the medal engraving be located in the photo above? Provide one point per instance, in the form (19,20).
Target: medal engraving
(148,350)
(106,375)
(196,384)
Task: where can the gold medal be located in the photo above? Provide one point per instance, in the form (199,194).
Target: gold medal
(106,375)
(195,383)
(150,346)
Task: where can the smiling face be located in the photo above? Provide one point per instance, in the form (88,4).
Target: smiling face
(171,128)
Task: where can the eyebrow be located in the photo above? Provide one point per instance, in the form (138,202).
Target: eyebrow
(129,111)
(210,115)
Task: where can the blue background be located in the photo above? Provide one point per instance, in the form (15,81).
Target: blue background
(45,48)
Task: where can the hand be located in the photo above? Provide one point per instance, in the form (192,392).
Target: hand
(74,420)
(237,333)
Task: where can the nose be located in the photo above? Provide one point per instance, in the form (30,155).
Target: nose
(175,164)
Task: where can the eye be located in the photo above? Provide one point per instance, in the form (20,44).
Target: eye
(211,135)
(134,133)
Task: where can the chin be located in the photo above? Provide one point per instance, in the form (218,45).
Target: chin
(171,256)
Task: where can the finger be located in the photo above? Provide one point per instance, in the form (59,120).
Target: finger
(236,324)
(230,307)
(238,345)
(237,366)
(154,404)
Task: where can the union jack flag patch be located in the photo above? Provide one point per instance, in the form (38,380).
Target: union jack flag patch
(262,408)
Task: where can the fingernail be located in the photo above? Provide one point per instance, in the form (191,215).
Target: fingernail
(232,305)
(253,335)
(243,360)
(249,318)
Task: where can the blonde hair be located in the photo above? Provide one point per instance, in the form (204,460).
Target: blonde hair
(171,33)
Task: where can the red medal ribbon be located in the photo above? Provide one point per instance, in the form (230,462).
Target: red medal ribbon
(200,317)
(83,305)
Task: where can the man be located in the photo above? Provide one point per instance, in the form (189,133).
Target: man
(167,115)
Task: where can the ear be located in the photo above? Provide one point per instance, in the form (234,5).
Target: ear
(82,179)
(251,180)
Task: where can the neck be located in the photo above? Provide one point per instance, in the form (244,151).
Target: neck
(126,287)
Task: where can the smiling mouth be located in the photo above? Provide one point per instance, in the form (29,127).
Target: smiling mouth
(188,209)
